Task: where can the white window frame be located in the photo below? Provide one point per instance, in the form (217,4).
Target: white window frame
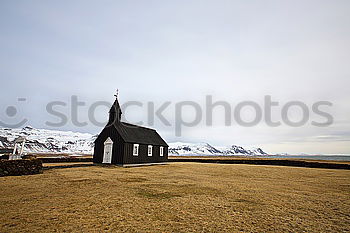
(161,151)
(150,150)
(135,153)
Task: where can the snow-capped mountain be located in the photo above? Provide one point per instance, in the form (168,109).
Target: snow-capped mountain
(180,148)
(54,141)
(43,140)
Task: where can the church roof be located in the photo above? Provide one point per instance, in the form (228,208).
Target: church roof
(132,133)
(138,134)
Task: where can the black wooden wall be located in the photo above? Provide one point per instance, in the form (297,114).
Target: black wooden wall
(143,157)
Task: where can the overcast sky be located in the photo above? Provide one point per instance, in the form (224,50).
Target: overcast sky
(159,51)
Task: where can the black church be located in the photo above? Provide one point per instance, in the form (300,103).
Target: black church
(123,143)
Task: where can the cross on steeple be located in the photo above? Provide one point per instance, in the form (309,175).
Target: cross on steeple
(116,95)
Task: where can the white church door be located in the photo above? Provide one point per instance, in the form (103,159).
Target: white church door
(107,152)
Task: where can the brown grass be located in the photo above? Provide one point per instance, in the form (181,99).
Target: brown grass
(181,197)
(255,158)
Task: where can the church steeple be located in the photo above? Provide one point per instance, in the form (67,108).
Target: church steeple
(115,113)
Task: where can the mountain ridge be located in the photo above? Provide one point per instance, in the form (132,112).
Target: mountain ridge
(181,148)
(55,141)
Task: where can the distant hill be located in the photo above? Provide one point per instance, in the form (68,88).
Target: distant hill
(180,148)
(46,141)
(54,141)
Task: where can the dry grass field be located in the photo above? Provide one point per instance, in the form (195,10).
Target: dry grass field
(180,197)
